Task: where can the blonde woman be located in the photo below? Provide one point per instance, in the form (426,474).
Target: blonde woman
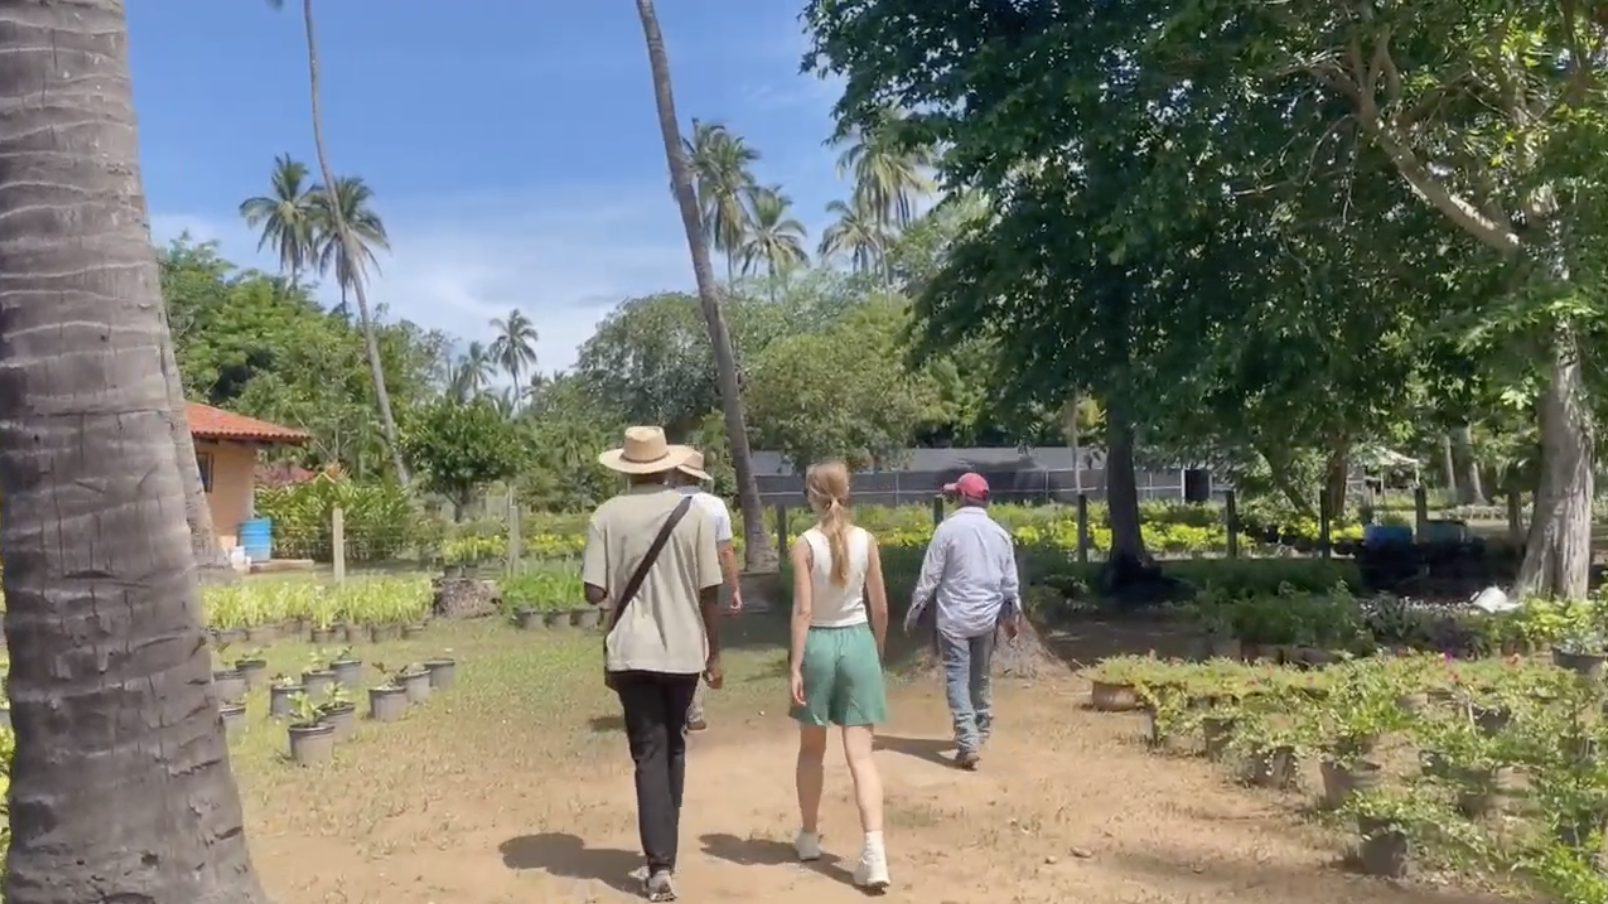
(840,621)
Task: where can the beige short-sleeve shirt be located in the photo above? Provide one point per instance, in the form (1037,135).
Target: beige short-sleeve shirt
(662,629)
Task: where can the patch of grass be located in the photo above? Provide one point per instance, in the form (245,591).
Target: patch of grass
(534,699)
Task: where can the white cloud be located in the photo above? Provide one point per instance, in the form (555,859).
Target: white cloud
(564,257)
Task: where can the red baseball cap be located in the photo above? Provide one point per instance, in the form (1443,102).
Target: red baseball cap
(970,485)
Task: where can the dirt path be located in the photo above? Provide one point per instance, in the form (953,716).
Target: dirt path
(1066,808)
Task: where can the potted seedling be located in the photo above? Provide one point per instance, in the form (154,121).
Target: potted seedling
(338,711)
(586,616)
(1217,727)
(281,691)
(388,702)
(317,677)
(234,714)
(311,741)
(1113,683)
(252,667)
(527,618)
(347,668)
(323,626)
(1580,650)
(415,679)
(553,614)
(1272,747)
(229,684)
(443,671)
(1167,713)
(1360,709)
(412,630)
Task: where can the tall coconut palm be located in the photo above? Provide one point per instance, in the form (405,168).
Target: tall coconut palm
(721,169)
(110,678)
(353,200)
(351,250)
(775,238)
(514,348)
(471,374)
(285,217)
(856,233)
(758,554)
(888,179)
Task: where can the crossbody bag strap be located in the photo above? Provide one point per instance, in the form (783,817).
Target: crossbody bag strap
(629,592)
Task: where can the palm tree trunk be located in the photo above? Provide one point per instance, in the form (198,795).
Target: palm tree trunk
(382,396)
(209,558)
(758,554)
(110,686)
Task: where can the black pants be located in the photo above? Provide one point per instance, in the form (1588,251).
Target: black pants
(655,707)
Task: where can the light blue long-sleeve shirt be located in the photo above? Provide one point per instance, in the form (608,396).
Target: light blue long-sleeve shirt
(969,574)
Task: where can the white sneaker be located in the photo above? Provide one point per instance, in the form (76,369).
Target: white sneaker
(871,873)
(808,845)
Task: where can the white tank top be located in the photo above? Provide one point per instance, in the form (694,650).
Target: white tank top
(835,605)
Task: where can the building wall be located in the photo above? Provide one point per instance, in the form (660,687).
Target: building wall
(232,480)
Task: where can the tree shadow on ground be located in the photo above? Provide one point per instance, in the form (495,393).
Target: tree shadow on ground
(1255,879)
(929,749)
(752,851)
(1084,643)
(567,856)
(606,724)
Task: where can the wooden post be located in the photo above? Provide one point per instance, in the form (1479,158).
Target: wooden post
(1083,529)
(1231,522)
(1323,525)
(1420,512)
(1515,519)
(515,543)
(937,511)
(782,548)
(337,542)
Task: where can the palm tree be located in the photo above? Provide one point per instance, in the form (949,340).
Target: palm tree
(758,554)
(888,178)
(775,237)
(856,233)
(285,217)
(721,162)
(353,197)
(352,252)
(471,374)
(89,471)
(515,346)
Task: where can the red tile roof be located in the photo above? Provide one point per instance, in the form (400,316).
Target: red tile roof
(207,422)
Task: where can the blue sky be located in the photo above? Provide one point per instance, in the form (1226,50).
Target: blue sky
(512,145)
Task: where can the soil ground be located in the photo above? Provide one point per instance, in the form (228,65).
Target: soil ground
(515,786)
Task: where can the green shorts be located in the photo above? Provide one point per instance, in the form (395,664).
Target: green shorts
(842,678)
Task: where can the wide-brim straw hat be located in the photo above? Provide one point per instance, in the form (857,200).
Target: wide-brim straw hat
(645,451)
(694,466)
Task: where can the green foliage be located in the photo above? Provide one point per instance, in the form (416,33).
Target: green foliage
(379,520)
(458,447)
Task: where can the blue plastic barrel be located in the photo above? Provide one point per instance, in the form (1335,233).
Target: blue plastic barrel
(257,537)
(1387,535)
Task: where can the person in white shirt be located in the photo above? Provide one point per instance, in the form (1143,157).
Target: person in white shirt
(969,575)
(839,626)
(690,478)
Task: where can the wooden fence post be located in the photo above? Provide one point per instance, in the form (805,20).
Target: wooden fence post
(1324,516)
(515,542)
(781,531)
(1420,512)
(937,511)
(1231,522)
(337,543)
(1083,529)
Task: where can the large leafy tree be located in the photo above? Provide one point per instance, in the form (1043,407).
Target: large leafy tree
(460,447)
(110,690)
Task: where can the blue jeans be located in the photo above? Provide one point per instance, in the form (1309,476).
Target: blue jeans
(968,683)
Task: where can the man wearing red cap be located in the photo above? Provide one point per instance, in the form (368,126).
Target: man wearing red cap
(969,577)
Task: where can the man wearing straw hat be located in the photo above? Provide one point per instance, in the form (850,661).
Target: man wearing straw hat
(689,479)
(651,560)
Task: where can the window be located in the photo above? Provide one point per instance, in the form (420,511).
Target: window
(203,461)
